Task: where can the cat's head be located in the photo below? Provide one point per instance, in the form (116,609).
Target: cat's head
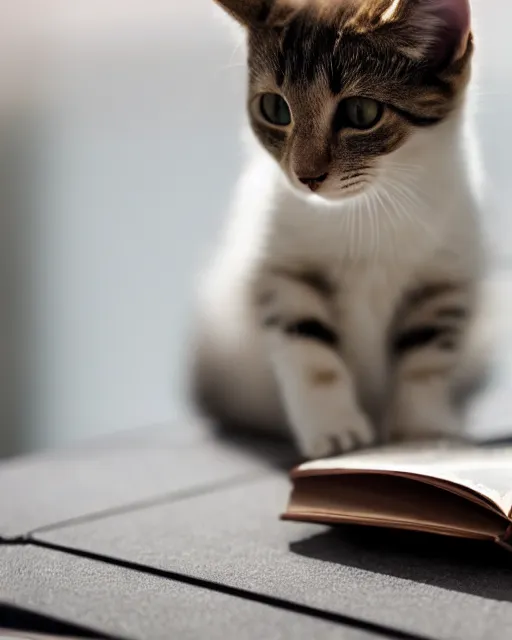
(337,86)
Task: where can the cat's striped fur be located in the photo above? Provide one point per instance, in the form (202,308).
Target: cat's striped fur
(345,316)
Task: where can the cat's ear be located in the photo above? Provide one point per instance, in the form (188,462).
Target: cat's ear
(436,30)
(261,13)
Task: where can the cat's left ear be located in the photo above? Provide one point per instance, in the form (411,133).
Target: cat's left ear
(439,30)
(261,13)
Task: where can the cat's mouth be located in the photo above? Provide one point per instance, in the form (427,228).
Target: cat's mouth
(335,188)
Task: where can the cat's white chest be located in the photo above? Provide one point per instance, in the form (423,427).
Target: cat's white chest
(369,279)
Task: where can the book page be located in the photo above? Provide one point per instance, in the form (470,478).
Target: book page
(488,471)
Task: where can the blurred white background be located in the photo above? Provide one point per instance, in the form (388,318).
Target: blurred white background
(126,115)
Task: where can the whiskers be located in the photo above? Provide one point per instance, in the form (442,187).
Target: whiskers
(391,215)
(350,181)
(407,206)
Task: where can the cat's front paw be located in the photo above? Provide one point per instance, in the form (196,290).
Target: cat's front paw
(342,435)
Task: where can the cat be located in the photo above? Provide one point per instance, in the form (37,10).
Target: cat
(340,305)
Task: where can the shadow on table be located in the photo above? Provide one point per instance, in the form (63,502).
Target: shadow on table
(475,568)
(276,452)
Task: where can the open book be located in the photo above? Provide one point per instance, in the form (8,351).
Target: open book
(453,490)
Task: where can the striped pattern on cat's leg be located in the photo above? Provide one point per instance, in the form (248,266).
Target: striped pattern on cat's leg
(426,346)
(305,349)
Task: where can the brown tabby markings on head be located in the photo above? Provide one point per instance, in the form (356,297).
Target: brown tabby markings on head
(315,53)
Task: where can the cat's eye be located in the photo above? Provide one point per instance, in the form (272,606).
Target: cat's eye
(358,113)
(275,109)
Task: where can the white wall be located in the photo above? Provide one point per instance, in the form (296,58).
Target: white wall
(136,150)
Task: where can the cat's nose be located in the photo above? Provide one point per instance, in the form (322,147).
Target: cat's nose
(313,183)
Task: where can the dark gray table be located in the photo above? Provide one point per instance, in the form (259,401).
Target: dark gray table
(174,533)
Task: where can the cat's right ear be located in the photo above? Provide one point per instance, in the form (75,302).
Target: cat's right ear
(260,13)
